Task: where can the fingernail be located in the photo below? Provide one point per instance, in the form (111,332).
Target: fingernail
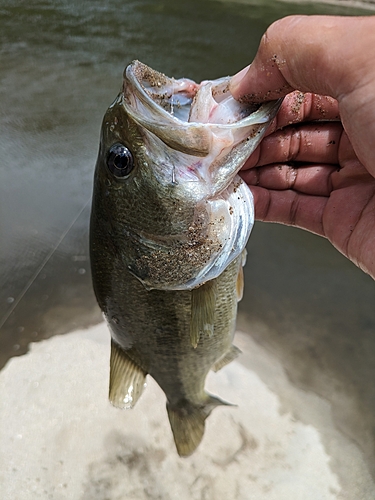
(237,78)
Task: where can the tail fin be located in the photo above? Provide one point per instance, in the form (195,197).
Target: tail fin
(187,423)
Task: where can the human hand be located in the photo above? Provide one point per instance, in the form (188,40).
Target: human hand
(317,175)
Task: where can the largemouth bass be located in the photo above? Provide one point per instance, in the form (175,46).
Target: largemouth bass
(169,224)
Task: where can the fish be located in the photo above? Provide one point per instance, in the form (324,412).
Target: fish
(169,224)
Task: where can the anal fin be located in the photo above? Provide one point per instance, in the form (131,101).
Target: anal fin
(229,356)
(203,305)
(126,379)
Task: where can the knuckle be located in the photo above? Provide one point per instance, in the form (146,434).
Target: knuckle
(294,206)
(295,142)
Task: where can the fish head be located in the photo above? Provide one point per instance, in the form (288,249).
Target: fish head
(165,182)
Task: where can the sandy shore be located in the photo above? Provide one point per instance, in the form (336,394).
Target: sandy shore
(61,439)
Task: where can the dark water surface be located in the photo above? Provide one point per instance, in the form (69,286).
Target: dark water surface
(60,67)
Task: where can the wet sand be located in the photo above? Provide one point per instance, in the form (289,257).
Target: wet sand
(61,438)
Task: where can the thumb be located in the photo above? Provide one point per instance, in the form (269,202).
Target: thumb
(325,55)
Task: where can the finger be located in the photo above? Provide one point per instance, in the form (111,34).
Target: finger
(312,179)
(320,54)
(291,208)
(314,143)
(303,107)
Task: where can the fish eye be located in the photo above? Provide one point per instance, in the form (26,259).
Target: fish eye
(120,161)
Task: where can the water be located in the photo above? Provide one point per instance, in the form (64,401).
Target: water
(60,67)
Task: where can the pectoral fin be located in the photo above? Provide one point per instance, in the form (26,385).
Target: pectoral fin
(240,284)
(126,379)
(203,304)
(188,422)
(240,277)
(227,358)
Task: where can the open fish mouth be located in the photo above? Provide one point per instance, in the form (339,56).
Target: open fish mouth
(200,120)
(195,137)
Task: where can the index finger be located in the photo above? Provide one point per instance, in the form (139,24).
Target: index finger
(299,107)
